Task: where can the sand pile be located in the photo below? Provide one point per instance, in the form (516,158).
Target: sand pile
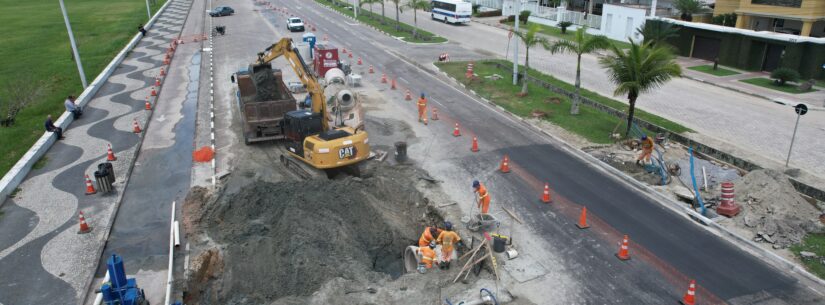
(772,209)
(286,240)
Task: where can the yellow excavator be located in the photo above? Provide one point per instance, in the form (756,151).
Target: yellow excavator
(309,136)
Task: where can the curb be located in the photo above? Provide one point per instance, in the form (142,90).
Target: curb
(121,193)
(382,32)
(12,179)
(734,89)
(741,242)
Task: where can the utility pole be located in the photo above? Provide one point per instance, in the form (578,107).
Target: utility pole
(355,9)
(515,48)
(148,11)
(74,46)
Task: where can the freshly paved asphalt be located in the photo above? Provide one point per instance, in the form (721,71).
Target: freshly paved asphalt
(668,249)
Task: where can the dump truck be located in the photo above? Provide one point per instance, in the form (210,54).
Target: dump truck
(263,100)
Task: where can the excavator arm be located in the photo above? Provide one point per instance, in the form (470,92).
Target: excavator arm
(285,48)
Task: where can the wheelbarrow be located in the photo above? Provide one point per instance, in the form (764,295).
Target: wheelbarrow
(486,222)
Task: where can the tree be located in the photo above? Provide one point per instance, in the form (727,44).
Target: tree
(397,12)
(416,5)
(371,2)
(20,92)
(530,39)
(564,25)
(643,67)
(784,75)
(656,32)
(580,44)
(687,8)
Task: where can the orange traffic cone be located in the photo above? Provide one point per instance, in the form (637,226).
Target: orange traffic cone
(383,78)
(583,219)
(505,164)
(623,251)
(545,197)
(90,189)
(153,93)
(110,155)
(135,126)
(157,82)
(435,114)
(84,227)
(475,145)
(359,61)
(392,84)
(350,55)
(344,50)
(166,60)
(148,105)
(162,72)
(407,95)
(690,295)
(371,70)
(456,132)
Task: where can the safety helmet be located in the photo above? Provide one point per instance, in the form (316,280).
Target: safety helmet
(432,245)
(476,184)
(422,94)
(448,225)
(644,137)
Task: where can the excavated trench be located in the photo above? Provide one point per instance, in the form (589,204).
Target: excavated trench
(292,237)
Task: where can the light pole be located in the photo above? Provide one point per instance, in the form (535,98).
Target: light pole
(148,11)
(800,109)
(74,46)
(515,48)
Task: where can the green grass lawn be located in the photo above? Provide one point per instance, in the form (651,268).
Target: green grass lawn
(556,32)
(591,123)
(386,24)
(709,70)
(820,83)
(812,243)
(768,83)
(35,44)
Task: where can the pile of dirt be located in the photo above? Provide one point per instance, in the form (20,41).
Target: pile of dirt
(773,211)
(286,240)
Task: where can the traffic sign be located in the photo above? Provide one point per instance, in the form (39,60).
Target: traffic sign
(801,109)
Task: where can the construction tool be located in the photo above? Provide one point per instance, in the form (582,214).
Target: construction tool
(119,290)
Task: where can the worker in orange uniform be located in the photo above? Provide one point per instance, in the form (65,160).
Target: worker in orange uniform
(483,200)
(647,149)
(427,257)
(422,109)
(429,234)
(448,240)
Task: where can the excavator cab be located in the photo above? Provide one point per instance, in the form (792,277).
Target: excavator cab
(297,126)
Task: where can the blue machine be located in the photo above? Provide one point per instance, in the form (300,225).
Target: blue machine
(120,290)
(309,38)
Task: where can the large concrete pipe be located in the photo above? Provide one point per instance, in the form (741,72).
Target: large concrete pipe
(411,259)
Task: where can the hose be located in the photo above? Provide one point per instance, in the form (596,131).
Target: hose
(490,293)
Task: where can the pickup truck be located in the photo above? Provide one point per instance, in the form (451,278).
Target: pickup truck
(295,24)
(263,100)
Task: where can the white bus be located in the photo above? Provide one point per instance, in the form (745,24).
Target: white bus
(451,11)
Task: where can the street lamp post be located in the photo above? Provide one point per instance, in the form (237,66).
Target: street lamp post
(148,11)
(800,109)
(515,48)
(74,46)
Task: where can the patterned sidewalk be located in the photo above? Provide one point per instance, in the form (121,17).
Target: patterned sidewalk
(43,260)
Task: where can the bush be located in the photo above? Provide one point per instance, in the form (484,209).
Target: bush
(475,8)
(489,13)
(508,19)
(564,25)
(523,16)
(725,19)
(783,75)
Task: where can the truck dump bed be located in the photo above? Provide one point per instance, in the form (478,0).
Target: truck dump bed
(263,99)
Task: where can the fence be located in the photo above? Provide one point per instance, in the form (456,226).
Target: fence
(553,14)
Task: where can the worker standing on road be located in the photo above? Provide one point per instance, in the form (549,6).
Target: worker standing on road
(647,149)
(422,109)
(429,235)
(427,257)
(483,200)
(448,240)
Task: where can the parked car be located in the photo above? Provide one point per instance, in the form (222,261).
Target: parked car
(295,24)
(221,11)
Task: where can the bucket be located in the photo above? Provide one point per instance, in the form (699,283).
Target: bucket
(400,151)
(498,243)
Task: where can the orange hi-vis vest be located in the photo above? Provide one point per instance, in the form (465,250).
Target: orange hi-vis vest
(426,237)
(427,256)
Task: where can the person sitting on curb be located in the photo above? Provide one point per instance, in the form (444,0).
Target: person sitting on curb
(142,30)
(51,128)
(72,107)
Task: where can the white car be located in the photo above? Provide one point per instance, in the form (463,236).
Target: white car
(295,24)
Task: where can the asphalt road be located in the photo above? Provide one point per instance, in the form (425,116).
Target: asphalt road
(667,248)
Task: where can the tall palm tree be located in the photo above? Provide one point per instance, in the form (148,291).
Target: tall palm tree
(397,12)
(580,44)
(657,32)
(643,67)
(370,2)
(416,5)
(530,39)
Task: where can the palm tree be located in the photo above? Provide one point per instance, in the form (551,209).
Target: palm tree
(643,67)
(397,12)
(656,32)
(688,8)
(530,39)
(370,2)
(416,5)
(580,44)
